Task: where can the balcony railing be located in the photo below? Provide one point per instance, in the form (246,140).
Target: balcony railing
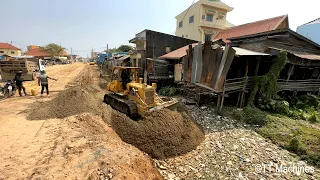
(299,85)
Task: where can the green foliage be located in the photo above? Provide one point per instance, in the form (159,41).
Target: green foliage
(249,115)
(168,91)
(267,84)
(122,48)
(53,49)
(125,48)
(295,146)
(276,106)
(294,135)
(313,118)
(305,107)
(112,50)
(306,101)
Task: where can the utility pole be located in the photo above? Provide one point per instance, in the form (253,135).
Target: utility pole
(92,53)
(107,51)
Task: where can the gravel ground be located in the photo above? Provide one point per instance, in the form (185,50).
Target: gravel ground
(230,151)
(206,117)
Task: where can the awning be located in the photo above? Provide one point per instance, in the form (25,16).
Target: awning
(21,57)
(300,54)
(246,52)
(124,58)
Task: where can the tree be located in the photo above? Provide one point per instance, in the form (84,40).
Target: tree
(125,48)
(112,50)
(53,49)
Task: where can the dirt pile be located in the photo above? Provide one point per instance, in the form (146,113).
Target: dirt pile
(70,102)
(161,134)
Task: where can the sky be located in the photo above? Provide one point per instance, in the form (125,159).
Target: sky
(83,25)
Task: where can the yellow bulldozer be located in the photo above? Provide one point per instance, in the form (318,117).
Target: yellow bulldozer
(129,95)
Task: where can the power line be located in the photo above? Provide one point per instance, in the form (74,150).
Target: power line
(186,13)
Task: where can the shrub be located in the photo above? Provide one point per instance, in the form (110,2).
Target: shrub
(295,146)
(168,91)
(313,118)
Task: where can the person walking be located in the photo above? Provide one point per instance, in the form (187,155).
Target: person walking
(43,81)
(19,83)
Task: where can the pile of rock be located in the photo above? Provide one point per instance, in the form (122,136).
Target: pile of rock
(233,154)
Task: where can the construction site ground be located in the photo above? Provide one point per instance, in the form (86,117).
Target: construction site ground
(72,134)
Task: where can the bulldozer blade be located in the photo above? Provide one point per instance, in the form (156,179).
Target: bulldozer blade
(171,104)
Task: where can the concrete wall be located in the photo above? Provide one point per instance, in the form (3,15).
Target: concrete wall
(311,31)
(196,30)
(190,31)
(10,52)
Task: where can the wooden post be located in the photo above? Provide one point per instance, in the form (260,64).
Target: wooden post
(238,101)
(290,71)
(245,83)
(218,102)
(223,94)
(257,66)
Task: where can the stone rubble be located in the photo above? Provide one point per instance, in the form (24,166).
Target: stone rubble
(210,122)
(231,152)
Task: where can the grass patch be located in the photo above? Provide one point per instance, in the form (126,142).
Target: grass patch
(298,136)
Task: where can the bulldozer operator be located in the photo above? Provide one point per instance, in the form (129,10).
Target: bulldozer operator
(125,77)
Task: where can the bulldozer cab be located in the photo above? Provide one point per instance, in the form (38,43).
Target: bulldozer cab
(121,76)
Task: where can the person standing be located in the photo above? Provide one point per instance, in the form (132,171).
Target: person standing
(43,81)
(19,82)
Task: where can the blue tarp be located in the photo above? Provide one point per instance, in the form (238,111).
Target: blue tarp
(1,57)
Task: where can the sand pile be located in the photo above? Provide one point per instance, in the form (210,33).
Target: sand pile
(70,102)
(161,134)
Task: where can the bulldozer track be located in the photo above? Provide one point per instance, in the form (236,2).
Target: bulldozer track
(125,106)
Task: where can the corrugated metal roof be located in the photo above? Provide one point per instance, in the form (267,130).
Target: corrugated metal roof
(251,28)
(177,54)
(301,55)
(124,58)
(246,52)
(308,56)
(27,57)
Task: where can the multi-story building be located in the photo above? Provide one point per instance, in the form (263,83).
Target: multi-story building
(311,30)
(8,49)
(203,20)
(150,45)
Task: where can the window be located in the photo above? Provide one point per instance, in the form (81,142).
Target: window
(191,19)
(1,51)
(207,37)
(12,52)
(209,18)
(168,49)
(180,24)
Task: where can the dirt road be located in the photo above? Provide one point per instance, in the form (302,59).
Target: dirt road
(76,147)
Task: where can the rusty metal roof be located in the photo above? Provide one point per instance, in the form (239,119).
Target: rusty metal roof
(252,28)
(308,56)
(177,54)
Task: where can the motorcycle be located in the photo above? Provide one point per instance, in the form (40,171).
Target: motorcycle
(8,89)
